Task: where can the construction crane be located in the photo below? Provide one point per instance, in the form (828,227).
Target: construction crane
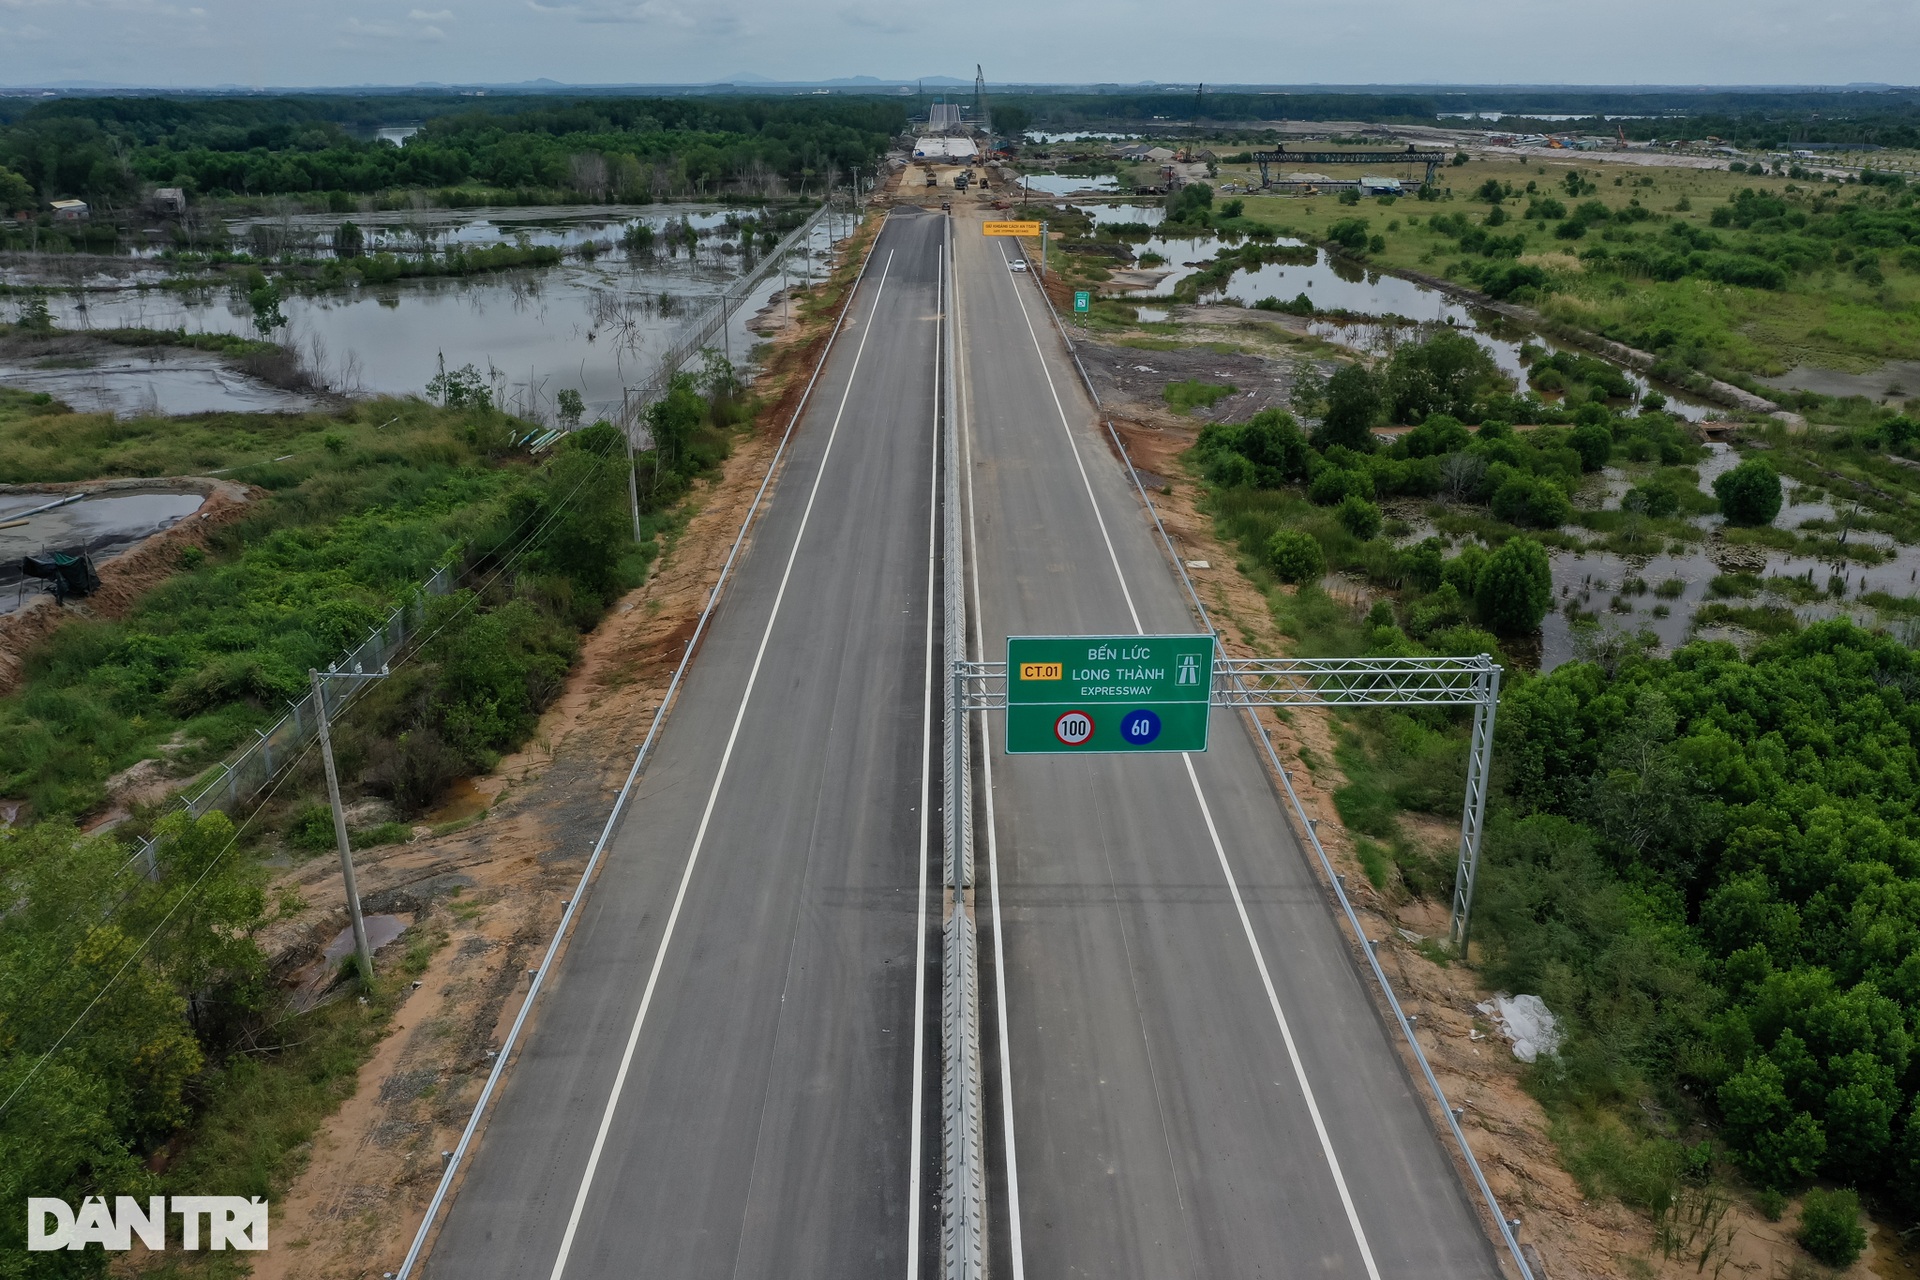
(1199,100)
(980,100)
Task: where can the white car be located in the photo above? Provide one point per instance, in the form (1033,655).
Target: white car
(1018,264)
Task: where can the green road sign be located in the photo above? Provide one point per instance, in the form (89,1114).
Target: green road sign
(1091,694)
(1082,300)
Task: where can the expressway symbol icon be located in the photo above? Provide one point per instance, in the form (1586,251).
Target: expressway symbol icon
(1189,670)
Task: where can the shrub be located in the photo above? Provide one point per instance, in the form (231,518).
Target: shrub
(1749,494)
(1651,499)
(1191,394)
(1296,556)
(1515,588)
(1594,444)
(1830,1227)
(1358,517)
(1333,485)
(1530,500)
(1233,471)
(1349,233)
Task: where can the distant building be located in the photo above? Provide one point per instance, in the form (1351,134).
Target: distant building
(1370,186)
(168,201)
(70,211)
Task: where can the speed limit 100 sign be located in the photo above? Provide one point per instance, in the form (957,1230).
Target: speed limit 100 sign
(1073,728)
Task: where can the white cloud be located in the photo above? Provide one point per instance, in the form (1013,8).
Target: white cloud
(651,12)
(885,19)
(432,34)
(434,15)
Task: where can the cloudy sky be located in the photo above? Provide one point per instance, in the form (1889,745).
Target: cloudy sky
(280,42)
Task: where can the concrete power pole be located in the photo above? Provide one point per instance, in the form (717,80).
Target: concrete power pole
(363,952)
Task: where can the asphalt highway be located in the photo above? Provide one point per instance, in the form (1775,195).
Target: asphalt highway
(735,1071)
(722,1081)
(1187,1075)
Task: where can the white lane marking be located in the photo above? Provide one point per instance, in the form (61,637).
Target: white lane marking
(1279,1015)
(1014,1237)
(713,796)
(1077,461)
(1246,923)
(926,777)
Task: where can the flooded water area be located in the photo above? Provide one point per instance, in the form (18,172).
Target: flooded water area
(1893,382)
(98,377)
(596,324)
(1717,587)
(1369,311)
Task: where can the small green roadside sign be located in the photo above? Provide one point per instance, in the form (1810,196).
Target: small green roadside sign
(1082,300)
(1078,695)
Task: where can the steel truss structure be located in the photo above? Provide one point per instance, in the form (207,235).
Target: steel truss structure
(1341,682)
(1270,160)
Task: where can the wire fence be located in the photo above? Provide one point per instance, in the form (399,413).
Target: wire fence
(245,773)
(701,331)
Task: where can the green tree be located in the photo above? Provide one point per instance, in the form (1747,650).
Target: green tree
(1358,517)
(571,406)
(16,193)
(1296,556)
(461,388)
(672,421)
(1350,234)
(1515,588)
(1011,120)
(1779,1146)
(349,240)
(1594,443)
(1191,203)
(1532,501)
(263,296)
(1830,1227)
(1354,404)
(1749,494)
(1448,373)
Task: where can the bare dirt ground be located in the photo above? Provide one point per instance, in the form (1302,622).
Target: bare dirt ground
(1567,1235)
(491,889)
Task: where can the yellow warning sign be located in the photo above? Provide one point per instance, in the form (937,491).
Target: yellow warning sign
(1040,671)
(1012,228)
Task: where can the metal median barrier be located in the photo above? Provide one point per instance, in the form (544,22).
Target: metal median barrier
(964,1184)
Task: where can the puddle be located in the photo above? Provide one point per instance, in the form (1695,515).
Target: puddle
(1892,381)
(380,931)
(1150,214)
(315,978)
(1058,184)
(596,327)
(464,800)
(167,382)
(105,525)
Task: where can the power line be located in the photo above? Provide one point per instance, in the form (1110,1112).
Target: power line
(285,775)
